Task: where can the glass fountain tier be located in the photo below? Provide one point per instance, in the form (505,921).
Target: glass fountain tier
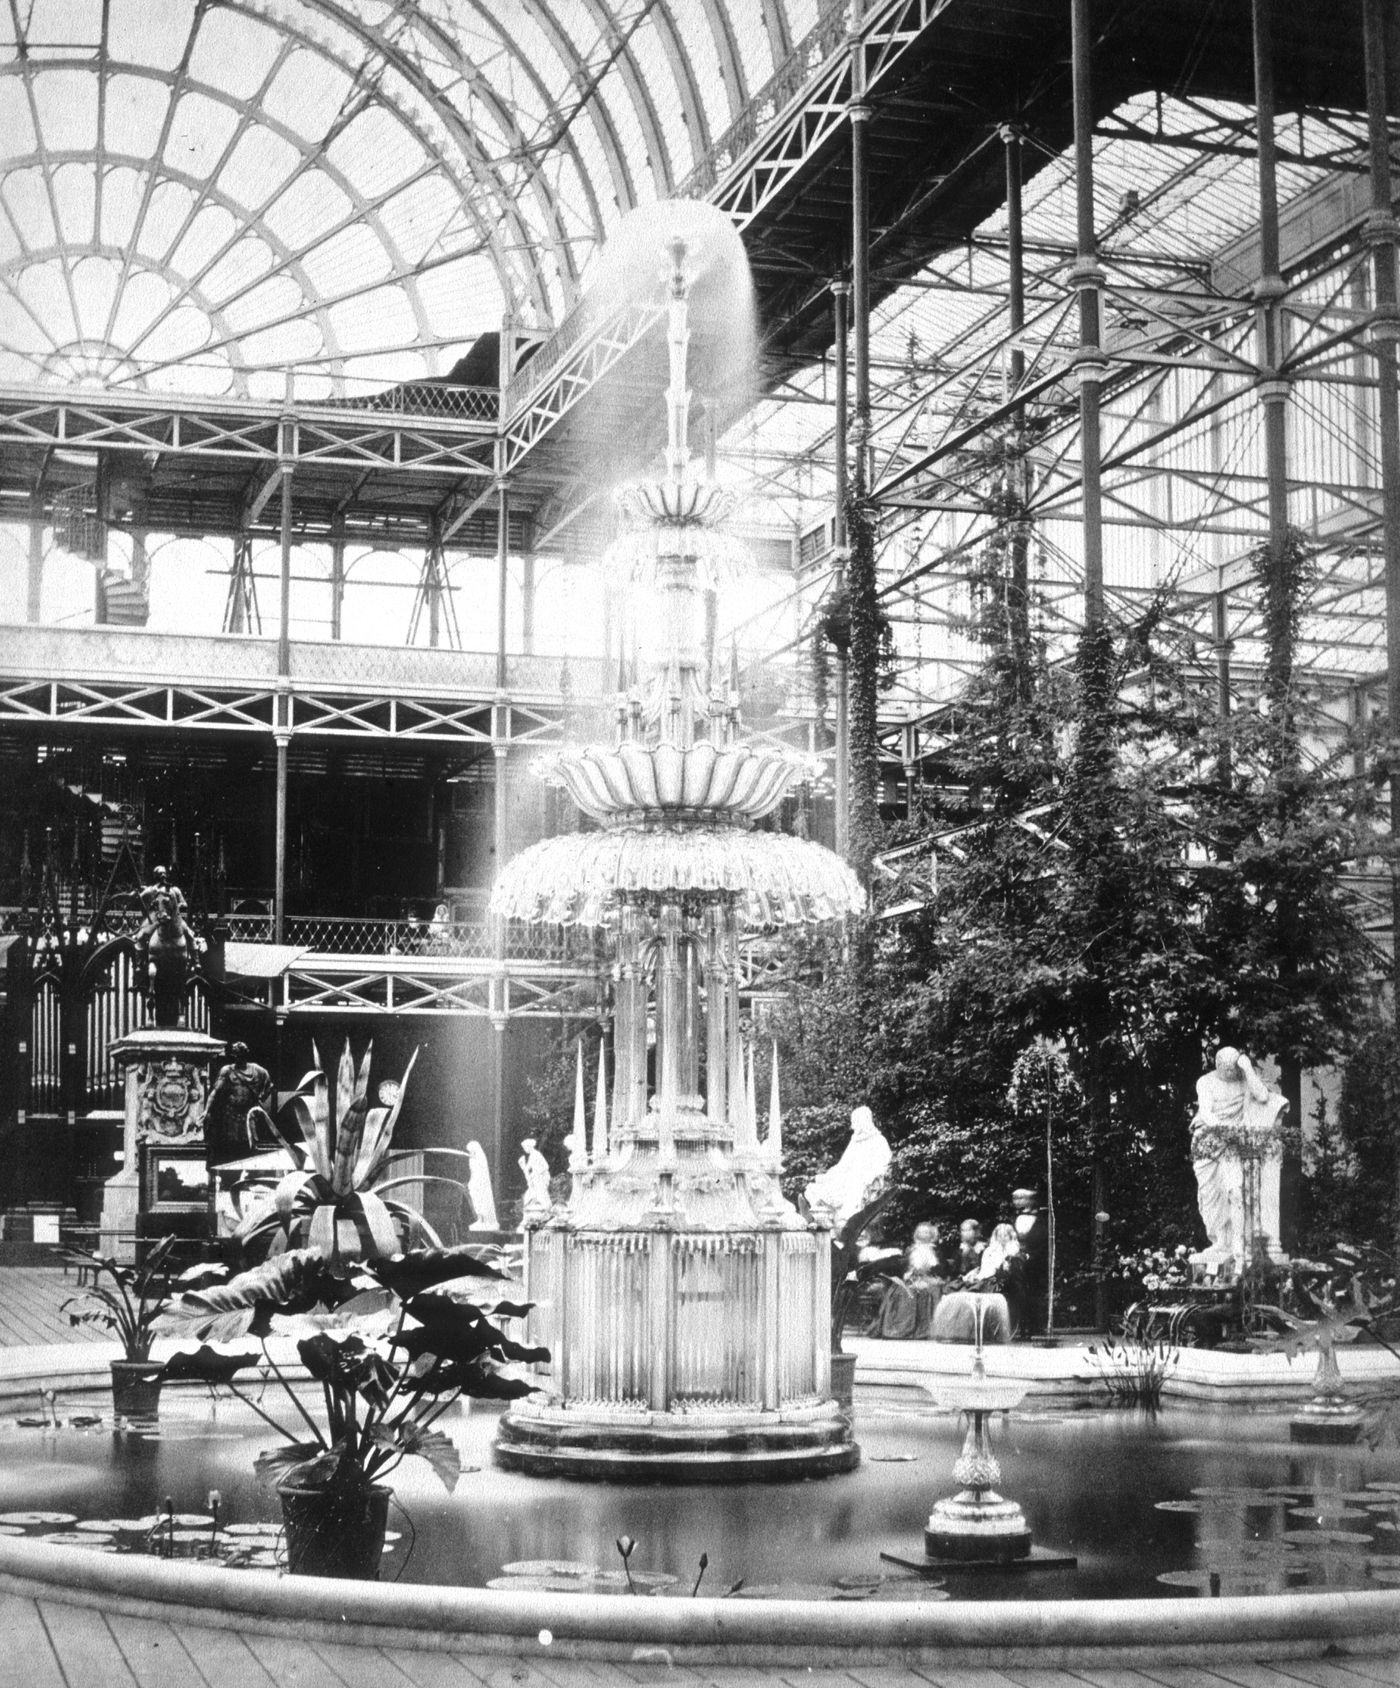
(686,1302)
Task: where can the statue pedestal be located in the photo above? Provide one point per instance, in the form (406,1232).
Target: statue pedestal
(166,1071)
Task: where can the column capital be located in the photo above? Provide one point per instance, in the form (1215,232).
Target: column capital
(1272,390)
(1090,365)
(1269,289)
(1379,228)
(858,112)
(840,287)
(1085,272)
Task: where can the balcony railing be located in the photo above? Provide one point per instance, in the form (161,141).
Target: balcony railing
(474,939)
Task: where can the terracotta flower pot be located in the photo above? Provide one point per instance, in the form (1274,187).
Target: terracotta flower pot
(136,1388)
(334,1532)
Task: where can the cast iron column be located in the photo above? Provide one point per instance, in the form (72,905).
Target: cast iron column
(1220,617)
(337,573)
(1017,472)
(1091,366)
(839,292)
(282,703)
(1269,290)
(502,577)
(1381,232)
(35,590)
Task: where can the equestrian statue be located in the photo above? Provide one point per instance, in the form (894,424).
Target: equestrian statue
(165,948)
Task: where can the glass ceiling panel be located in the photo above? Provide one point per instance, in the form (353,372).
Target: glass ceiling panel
(351,185)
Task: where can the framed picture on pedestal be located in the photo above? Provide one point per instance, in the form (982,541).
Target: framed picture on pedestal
(175,1180)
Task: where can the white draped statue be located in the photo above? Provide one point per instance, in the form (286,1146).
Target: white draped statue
(1237,1156)
(537,1175)
(479,1189)
(843,1189)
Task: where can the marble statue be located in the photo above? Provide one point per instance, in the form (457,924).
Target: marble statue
(536,1169)
(1237,1156)
(479,1189)
(241,1086)
(842,1190)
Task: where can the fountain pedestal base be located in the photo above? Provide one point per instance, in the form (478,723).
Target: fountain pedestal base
(686,1447)
(977,1524)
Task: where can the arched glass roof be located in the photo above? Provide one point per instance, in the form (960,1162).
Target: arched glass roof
(195,194)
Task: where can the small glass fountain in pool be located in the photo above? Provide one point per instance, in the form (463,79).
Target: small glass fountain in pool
(686,1302)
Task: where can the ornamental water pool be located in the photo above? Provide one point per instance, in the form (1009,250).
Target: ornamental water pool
(1188,1502)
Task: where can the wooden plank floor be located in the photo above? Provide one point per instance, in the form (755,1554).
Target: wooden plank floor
(45,1644)
(31,1308)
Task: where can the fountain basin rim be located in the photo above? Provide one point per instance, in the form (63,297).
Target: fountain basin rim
(986,1395)
(702,1630)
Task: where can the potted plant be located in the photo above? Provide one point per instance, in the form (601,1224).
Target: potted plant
(336,1200)
(391,1344)
(849,1275)
(129,1309)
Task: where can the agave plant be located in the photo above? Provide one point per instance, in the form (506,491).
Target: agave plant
(336,1203)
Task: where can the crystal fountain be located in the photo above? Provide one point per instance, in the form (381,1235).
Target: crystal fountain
(977,1528)
(685,1300)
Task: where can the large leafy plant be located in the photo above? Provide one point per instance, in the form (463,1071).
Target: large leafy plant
(337,1199)
(391,1346)
(129,1308)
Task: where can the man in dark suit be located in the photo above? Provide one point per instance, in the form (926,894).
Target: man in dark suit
(1031,1232)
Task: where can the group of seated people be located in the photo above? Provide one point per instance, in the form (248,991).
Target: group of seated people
(931,1297)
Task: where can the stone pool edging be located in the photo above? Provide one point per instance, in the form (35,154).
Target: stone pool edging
(1201,1375)
(681,1631)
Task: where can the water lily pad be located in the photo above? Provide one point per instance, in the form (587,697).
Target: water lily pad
(654,1579)
(38,1518)
(891,1459)
(548,1585)
(101,1526)
(268,1529)
(1308,1537)
(545,1567)
(1387,1561)
(1393,1485)
(1341,1514)
(72,1538)
(865,1580)
(11,1530)
(1384,1573)
(915,1589)
(788,1591)
(1179,1506)
(1237,1581)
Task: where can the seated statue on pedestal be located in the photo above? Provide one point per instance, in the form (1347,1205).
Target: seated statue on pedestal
(844,1189)
(1237,1155)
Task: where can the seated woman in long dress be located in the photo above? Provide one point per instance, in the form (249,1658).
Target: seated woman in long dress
(907,1308)
(996,1272)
